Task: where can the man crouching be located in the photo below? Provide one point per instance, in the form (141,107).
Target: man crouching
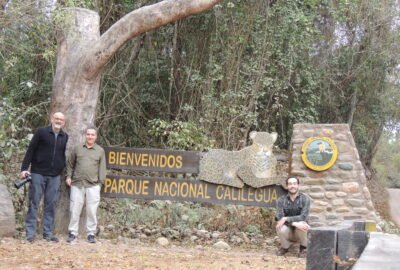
(292,211)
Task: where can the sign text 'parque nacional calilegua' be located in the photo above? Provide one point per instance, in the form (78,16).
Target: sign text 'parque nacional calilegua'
(164,188)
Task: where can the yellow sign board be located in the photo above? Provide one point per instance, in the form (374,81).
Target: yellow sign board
(154,188)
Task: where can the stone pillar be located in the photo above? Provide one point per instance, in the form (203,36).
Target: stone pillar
(7,214)
(340,192)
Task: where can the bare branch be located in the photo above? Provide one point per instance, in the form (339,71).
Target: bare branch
(135,23)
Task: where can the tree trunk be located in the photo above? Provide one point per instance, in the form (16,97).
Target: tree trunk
(353,107)
(82,54)
(72,94)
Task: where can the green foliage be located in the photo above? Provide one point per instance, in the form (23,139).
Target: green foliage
(79,3)
(179,135)
(12,132)
(253,229)
(243,66)
(181,216)
(387,160)
(259,66)
(27,59)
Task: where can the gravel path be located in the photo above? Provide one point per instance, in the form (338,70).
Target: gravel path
(106,254)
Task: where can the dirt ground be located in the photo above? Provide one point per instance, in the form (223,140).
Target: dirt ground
(107,254)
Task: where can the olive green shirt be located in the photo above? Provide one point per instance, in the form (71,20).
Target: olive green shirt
(87,166)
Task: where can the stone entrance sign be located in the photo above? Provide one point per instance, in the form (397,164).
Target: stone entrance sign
(157,174)
(339,192)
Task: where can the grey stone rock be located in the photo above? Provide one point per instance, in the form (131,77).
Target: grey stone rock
(221,245)
(342,210)
(330,195)
(304,189)
(314,182)
(332,187)
(298,173)
(345,166)
(171,233)
(215,235)
(187,232)
(345,157)
(7,214)
(341,194)
(316,224)
(360,210)
(110,227)
(331,216)
(236,239)
(333,181)
(347,175)
(162,241)
(334,222)
(337,202)
(317,195)
(193,238)
(313,218)
(351,217)
(355,202)
(203,234)
(321,203)
(270,242)
(316,189)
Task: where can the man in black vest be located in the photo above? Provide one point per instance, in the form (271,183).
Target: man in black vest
(292,212)
(46,158)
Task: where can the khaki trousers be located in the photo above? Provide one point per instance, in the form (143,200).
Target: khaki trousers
(78,196)
(289,235)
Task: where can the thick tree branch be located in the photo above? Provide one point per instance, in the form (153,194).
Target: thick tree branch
(135,23)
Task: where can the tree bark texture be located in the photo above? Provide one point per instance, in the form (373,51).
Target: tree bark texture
(82,54)
(72,94)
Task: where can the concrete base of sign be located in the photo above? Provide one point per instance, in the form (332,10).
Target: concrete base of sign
(381,253)
(336,247)
(352,245)
(321,249)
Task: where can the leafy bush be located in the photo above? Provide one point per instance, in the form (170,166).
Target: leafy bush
(12,132)
(183,215)
(179,135)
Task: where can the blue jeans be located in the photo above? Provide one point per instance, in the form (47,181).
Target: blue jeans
(49,186)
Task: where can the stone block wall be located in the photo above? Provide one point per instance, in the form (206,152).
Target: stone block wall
(340,192)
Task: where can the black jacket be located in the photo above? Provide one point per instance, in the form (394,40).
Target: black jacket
(46,155)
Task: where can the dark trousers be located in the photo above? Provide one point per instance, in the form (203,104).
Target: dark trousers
(49,187)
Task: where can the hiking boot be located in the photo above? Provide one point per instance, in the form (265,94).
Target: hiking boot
(91,239)
(282,251)
(30,239)
(51,239)
(302,252)
(71,238)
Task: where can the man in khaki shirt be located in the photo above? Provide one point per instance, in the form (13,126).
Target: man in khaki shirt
(86,171)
